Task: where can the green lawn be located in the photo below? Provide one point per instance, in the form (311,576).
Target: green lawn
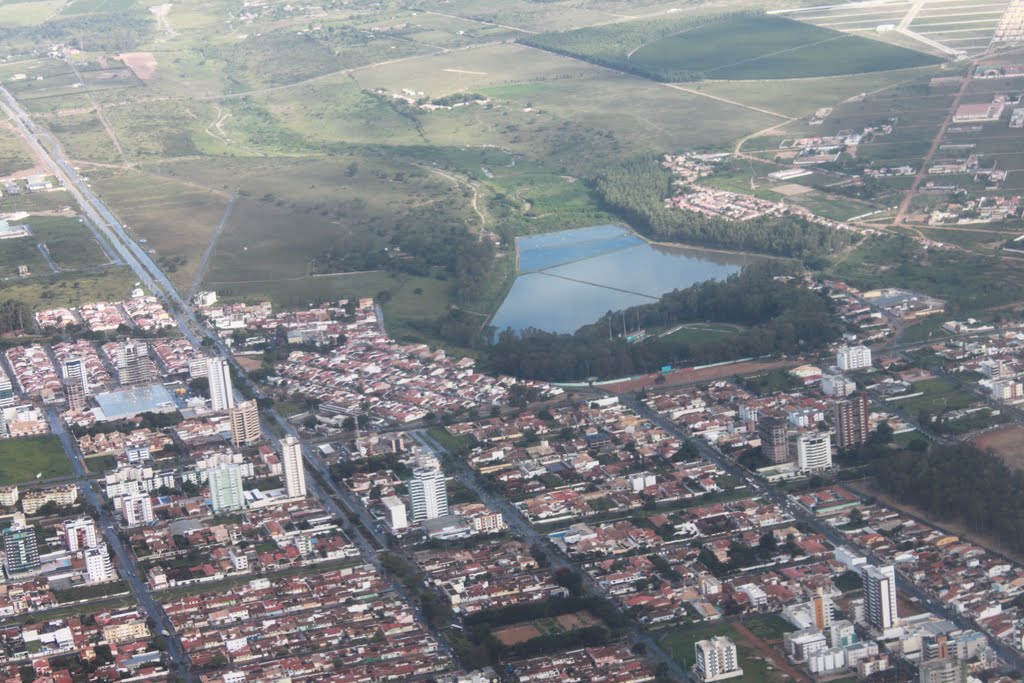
(939,395)
(71,289)
(22,459)
(679,645)
(71,243)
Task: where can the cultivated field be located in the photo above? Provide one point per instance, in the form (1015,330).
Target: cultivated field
(1006,442)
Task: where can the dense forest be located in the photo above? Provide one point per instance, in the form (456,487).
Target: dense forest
(778,317)
(637,191)
(958,483)
(14,316)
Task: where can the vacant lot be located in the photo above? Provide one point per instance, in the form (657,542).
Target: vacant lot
(563,623)
(70,242)
(1007,443)
(70,289)
(22,459)
(756,666)
(938,396)
(517,633)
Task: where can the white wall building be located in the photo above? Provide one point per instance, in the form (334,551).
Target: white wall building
(716,659)
(396,514)
(291,464)
(813,451)
(428,494)
(222,393)
(98,567)
(879,595)
(137,509)
(853,358)
(79,534)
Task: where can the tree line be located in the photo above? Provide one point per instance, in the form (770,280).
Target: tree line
(637,192)
(14,316)
(778,317)
(958,483)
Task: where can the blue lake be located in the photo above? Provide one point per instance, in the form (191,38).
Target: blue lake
(571,278)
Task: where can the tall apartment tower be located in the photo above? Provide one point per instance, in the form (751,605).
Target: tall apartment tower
(226,488)
(774,438)
(291,464)
(75,383)
(716,660)
(137,509)
(98,568)
(823,610)
(21,549)
(6,390)
(245,423)
(945,670)
(813,451)
(879,595)
(80,534)
(133,365)
(222,393)
(428,494)
(852,427)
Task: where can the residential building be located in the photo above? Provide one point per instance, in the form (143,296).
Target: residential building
(133,365)
(137,509)
(823,610)
(716,659)
(837,386)
(222,393)
(774,438)
(396,514)
(853,358)
(813,451)
(80,534)
(245,423)
(294,471)
(75,383)
(98,568)
(21,548)
(880,608)
(428,494)
(7,395)
(944,670)
(226,488)
(851,417)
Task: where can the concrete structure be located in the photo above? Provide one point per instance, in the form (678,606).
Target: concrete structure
(80,534)
(716,660)
(837,386)
(133,365)
(98,568)
(880,596)
(75,383)
(853,358)
(291,464)
(852,426)
(226,488)
(813,451)
(774,438)
(245,423)
(428,494)
(137,509)
(21,549)
(945,670)
(823,610)
(396,513)
(7,395)
(222,393)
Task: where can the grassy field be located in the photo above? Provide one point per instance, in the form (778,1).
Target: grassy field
(939,396)
(698,333)
(679,645)
(71,244)
(22,459)
(757,47)
(14,153)
(19,252)
(70,289)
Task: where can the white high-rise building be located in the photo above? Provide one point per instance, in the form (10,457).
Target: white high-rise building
(75,383)
(98,567)
(226,488)
(222,393)
(80,533)
(853,358)
(245,423)
(7,395)
(396,513)
(813,451)
(137,509)
(428,494)
(879,595)
(131,359)
(716,659)
(291,464)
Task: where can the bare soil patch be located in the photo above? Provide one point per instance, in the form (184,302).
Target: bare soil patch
(792,189)
(1007,443)
(690,376)
(577,620)
(142,64)
(517,633)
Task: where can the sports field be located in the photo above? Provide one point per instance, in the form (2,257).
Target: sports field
(22,459)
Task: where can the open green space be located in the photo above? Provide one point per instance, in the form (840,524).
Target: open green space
(70,289)
(939,396)
(21,251)
(679,645)
(697,333)
(14,153)
(22,459)
(70,242)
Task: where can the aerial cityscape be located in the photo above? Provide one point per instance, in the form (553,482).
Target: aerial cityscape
(512,341)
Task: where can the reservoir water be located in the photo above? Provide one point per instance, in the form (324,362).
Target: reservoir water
(571,278)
